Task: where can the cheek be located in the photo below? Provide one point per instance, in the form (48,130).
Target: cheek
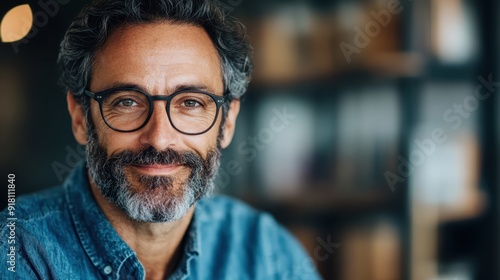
(99,123)
(116,142)
(202,144)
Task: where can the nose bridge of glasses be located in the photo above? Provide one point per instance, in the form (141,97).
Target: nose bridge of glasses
(164,105)
(165,98)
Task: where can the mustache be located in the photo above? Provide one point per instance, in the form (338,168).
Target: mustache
(151,156)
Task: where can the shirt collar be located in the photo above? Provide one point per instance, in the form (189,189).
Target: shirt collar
(192,248)
(106,249)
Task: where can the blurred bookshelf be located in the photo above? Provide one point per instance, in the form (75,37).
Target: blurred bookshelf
(356,118)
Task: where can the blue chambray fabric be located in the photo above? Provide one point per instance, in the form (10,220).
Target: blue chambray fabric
(61,233)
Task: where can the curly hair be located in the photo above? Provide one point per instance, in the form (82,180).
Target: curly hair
(91,28)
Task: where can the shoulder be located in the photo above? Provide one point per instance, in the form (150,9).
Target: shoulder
(29,229)
(257,237)
(35,215)
(230,212)
(233,214)
(37,205)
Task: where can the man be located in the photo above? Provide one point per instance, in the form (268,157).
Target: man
(153,91)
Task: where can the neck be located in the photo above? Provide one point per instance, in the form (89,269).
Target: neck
(158,245)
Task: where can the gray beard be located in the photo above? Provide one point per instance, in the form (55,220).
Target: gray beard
(159,198)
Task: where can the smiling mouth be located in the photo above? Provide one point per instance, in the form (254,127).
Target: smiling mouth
(157,169)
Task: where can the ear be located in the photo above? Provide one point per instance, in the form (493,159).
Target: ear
(230,124)
(78,121)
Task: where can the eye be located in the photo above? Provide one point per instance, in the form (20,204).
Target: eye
(191,103)
(126,103)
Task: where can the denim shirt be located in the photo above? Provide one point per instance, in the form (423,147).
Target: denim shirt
(61,233)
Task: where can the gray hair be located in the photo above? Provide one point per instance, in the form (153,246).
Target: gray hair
(91,28)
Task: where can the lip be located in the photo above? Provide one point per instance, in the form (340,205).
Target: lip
(157,169)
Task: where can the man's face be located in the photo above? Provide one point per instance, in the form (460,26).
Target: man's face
(156,173)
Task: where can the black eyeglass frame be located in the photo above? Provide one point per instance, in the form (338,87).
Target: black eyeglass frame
(100,96)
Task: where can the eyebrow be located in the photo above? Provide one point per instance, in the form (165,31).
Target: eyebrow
(181,87)
(201,87)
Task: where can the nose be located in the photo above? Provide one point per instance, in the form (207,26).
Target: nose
(159,132)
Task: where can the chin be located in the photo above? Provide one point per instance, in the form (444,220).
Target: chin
(158,199)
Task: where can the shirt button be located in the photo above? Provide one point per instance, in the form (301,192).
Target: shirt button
(107,270)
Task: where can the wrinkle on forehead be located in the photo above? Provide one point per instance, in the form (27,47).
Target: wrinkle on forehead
(158,56)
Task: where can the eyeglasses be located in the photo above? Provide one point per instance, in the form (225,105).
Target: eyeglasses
(128,109)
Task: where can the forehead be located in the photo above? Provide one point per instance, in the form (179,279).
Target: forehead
(157,56)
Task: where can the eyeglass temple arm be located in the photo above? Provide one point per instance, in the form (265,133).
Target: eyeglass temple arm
(89,93)
(92,95)
(227,98)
